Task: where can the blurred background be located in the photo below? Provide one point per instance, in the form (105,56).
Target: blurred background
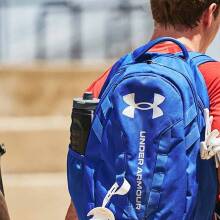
(50,51)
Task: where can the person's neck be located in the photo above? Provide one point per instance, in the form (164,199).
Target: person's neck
(189,37)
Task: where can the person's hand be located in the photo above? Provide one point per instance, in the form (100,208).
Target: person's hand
(71,213)
(211,146)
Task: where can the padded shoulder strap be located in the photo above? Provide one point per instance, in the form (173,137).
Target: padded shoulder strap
(197,58)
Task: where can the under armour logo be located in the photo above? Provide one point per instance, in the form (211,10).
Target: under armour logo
(144,106)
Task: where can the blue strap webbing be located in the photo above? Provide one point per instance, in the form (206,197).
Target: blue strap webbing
(190,115)
(97,128)
(153,202)
(161,163)
(120,167)
(158,181)
(192,137)
(197,58)
(106,106)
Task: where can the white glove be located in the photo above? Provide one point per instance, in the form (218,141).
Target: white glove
(211,146)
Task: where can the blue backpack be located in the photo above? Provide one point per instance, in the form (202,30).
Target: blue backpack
(142,160)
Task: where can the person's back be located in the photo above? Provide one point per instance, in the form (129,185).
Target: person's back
(194,23)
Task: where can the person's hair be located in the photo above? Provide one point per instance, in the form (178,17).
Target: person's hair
(185,13)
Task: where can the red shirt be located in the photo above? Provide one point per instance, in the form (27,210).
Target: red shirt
(210,72)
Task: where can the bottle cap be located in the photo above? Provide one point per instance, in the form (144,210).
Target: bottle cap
(88,96)
(88,102)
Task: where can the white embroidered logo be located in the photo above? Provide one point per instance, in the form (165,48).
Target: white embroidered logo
(144,106)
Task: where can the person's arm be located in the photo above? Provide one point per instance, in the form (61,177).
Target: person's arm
(215,108)
(71,213)
(3,208)
(211,73)
(215,112)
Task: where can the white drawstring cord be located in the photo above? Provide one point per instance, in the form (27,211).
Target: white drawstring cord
(102,213)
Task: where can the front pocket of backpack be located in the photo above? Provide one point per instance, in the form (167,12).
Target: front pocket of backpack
(75,176)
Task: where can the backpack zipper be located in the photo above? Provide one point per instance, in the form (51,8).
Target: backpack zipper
(199,105)
(122,78)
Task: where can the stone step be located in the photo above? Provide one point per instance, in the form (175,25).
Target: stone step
(44,89)
(35,144)
(36,103)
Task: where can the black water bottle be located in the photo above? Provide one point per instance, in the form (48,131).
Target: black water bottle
(82,116)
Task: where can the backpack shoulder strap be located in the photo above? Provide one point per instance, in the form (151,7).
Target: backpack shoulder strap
(198,59)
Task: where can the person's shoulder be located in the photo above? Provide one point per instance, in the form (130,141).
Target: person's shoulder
(210,69)
(211,74)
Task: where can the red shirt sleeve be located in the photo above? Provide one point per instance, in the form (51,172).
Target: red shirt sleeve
(211,73)
(97,85)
